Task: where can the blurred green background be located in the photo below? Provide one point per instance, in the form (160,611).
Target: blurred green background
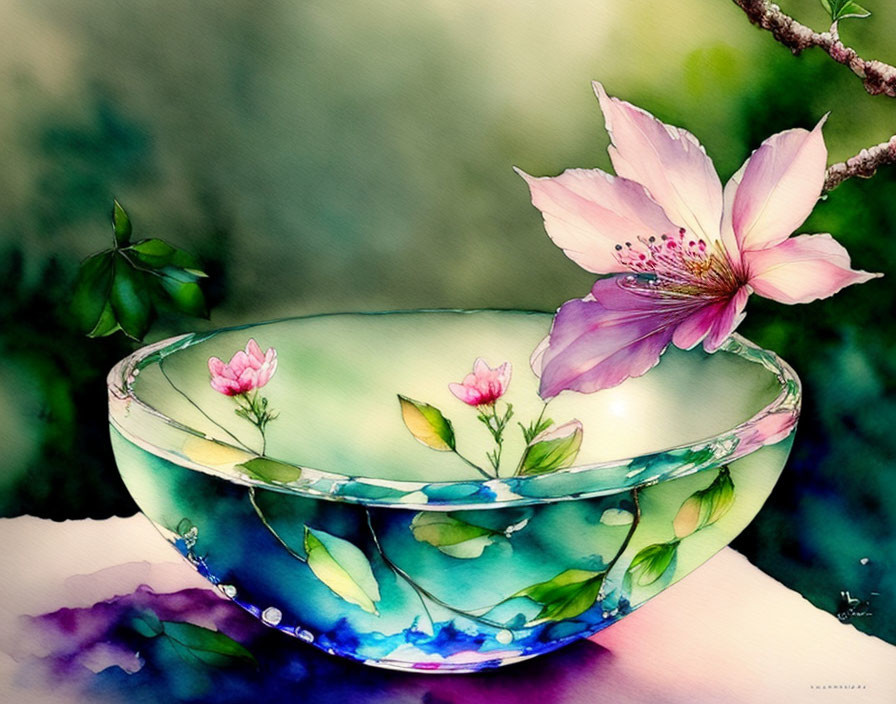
(331,156)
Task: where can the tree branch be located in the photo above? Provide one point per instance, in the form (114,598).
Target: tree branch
(877,77)
(863,164)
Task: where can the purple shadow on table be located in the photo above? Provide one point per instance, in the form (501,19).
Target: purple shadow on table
(194,646)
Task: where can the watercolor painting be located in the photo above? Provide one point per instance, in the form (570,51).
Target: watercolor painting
(448,352)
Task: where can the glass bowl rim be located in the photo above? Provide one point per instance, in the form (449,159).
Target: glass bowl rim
(716,450)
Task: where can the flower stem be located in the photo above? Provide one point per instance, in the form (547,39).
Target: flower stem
(474,465)
(423,593)
(261,517)
(631,531)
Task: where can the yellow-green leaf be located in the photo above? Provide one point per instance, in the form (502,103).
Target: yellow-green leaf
(451,535)
(552,449)
(565,596)
(427,424)
(271,470)
(651,563)
(705,507)
(343,568)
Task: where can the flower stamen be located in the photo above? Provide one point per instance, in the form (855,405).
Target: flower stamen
(675,265)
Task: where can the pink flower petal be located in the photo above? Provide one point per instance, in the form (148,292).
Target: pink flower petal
(467,394)
(779,186)
(729,239)
(668,161)
(253,351)
(802,269)
(695,327)
(504,372)
(587,212)
(225,386)
(238,363)
(216,366)
(727,319)
(594,347)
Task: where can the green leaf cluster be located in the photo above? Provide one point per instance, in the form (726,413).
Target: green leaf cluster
(843,9)
(193,644)
(123,288)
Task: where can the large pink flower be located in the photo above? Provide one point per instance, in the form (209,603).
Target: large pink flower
(247,370)
(484,385)
(684,253)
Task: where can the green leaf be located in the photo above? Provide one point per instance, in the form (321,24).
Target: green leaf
(154,252)
(130,299)
(121,224)
(147,624)
(535,428)
(650,563)
(158,254)
(565,596)
(343,568)
(269,470)
(705,507)
(843,9)
(451,535)
(91,293)
(552,449)
(427,424)
(211,647)
(186,296)
(107,324)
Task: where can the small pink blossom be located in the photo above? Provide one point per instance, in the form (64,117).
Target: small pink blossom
(683,254)
(484,385)
(247,370)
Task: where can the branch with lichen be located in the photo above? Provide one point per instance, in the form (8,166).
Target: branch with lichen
(864,164)
(877,77)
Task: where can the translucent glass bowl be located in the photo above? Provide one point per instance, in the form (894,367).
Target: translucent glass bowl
(348,533)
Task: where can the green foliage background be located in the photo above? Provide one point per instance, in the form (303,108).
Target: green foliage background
(324,156)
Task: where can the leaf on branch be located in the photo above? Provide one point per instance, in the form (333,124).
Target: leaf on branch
(705,507)
(123,288)
(552,449)
(427,424)
(121,224)
(844,9)
(90,301)
(565,596)
(205,645)
(451,535)
(343,568)
(269,470)
(130,299)
(650,564)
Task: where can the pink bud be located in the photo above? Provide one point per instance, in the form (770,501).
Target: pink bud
(484,385)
